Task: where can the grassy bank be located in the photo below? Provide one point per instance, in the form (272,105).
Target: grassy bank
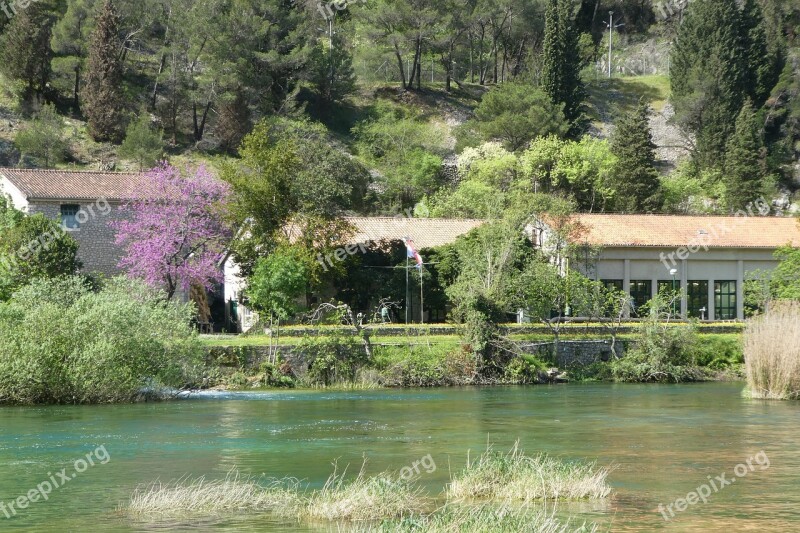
(475,499)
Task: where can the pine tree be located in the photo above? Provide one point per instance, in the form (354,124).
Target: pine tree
(233,122)
(636,179)
(561,78)
(25,48)
(142,144)
(709,75)
(743,169)
(102,98)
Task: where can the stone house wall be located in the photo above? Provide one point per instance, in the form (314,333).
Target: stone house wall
(95,237)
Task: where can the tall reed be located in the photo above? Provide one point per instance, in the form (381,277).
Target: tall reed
(772,353)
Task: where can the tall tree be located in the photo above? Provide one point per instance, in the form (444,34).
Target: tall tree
(70,43)
(743,168)
(102,95)
(561,77)
(721,58)
(42,141)
(25,48)
(635,177)
(177,230)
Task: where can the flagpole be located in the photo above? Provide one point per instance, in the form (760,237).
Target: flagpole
(407,293)
(421,298)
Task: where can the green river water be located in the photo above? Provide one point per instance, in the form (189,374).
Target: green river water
(665,440)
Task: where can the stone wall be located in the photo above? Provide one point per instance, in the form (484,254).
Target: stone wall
(95,237)
(571,353)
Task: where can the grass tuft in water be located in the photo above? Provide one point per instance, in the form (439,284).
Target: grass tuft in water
(514,476)
(469,519)
(202,497)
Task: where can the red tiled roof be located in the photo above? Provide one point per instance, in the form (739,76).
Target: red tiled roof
(74,185)
(425,232)
(668,231)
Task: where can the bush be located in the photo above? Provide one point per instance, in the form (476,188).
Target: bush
(64,344)
(333,359)
(277,374)
(772,353)
(525,369)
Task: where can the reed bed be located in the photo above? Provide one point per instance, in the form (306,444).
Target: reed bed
(772,353)
(470,519)
(514,476)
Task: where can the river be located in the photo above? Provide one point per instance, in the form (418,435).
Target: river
(664,441)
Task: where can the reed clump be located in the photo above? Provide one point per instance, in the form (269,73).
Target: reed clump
(772,353)
(515,476)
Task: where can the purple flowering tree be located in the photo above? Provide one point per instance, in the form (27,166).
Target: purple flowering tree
(176,229)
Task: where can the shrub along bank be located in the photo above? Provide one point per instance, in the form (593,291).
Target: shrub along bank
(64,343)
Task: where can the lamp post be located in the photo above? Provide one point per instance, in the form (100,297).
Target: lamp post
(673,272)
(611,29)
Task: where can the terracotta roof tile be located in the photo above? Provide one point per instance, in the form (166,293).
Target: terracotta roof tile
(425,232)
(668,231)
(73,185)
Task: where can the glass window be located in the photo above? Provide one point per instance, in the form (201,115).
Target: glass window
(667,286)
(725,300)
(697,294)
(69,216)
(641,293)
(612,284)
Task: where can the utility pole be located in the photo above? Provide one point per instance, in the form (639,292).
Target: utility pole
(611,29)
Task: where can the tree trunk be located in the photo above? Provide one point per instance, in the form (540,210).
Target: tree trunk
(399,57)
(155,83)
(199,130)
(77,88)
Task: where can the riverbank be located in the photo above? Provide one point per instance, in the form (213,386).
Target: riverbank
(334,358)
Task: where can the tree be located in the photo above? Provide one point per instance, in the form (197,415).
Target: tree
(177,229)
(721,58)
(561,71)
(278,282)
(331,71)
(786,277)
(25,47)
(32,247)
(233,121)
(43,139)
(70,42)
(516,113)
(142,144)
(743,168)
(102,93)
(635,180)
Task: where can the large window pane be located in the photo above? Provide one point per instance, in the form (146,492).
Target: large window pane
(725,300)
(641,293)
(697,296)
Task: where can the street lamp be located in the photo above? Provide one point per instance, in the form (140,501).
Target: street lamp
(673,272)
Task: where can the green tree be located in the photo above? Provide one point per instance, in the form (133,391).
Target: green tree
(786,277)
(70,43)
(721,58)
(42,140)
(34,247)
(278,283)
(635,182)
(516,113)
(25,48)
(102,93)
(142,144)
(331,71)
(743,168)
(234,121)
(561,77)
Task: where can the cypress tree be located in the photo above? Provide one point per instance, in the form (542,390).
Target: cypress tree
(25,47)
(635,177)
(561,78)
(709,75)
(763,67)
(743,169)
(102,98)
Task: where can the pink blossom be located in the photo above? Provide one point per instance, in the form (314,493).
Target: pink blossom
(176,229)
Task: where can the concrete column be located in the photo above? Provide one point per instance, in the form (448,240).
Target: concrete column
(653,287)
(626,284)
(684,288)
(712,305)
(740,291)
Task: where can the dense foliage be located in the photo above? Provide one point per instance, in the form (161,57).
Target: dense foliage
(63,343)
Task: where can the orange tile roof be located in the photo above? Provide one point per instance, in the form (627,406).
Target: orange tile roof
(675,231)
(73,185)
(425,232)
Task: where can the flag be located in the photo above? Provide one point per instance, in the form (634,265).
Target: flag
(412,253)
